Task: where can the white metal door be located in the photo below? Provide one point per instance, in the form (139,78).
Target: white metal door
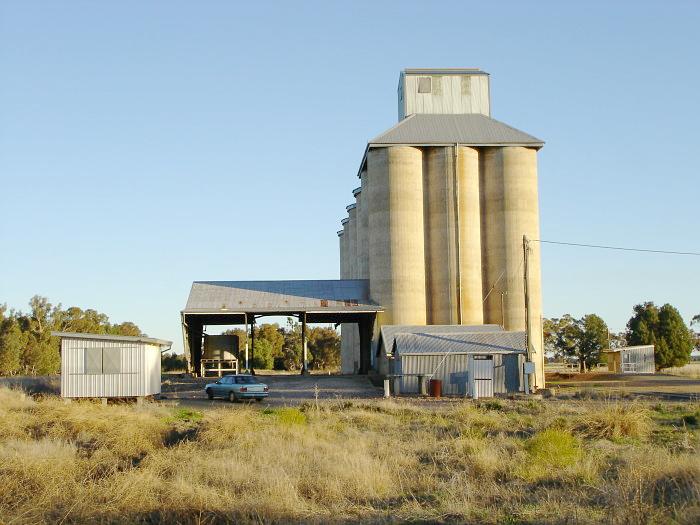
(481,372)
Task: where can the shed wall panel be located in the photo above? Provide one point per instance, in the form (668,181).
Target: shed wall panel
(453,370)
(139,373)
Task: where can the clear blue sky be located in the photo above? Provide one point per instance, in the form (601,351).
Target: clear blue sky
(144,145)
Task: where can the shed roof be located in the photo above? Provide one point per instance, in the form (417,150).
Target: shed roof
(445,71)
(339,295)
(462,343)
(627,348)
(389,332)
(468,129)
(115,338)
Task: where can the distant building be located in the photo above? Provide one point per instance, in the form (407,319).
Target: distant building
(631,360)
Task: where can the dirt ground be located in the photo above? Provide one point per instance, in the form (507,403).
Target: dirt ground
(285,390)
(646,385)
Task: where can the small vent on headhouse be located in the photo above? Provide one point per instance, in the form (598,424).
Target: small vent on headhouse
(424,85)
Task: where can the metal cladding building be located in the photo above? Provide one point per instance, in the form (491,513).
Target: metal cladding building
(439,227)
(631,360)
(101,365)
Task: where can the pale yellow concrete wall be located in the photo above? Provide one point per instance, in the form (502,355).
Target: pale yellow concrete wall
(509,210)
(396,237)
(453,238)
(469,227)
(440,240)
(353,334)
(363,228)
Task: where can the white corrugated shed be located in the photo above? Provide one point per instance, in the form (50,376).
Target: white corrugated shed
(98,365)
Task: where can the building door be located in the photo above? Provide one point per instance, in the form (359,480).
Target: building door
(481,373)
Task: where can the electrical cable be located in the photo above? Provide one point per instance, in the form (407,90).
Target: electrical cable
(621,248)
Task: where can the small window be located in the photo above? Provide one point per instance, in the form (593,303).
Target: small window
(424,85)
(93,361)
(112,360)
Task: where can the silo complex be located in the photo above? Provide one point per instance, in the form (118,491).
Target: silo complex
(445,199)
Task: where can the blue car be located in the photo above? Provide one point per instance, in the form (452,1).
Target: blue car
(236,387)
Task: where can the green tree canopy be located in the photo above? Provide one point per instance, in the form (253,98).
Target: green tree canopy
(583,338)
(26,344)
(665,329)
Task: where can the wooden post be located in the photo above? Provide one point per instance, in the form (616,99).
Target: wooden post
(387,389)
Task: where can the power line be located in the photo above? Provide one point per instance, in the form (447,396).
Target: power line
(668,252)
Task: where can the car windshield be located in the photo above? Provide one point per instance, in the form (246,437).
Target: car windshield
(246,380)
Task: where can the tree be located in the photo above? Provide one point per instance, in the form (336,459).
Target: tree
(26,344)
(583,338)
(592,339)
(665,329)
(12,342)
(324,347)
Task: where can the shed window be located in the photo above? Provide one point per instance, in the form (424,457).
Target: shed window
(112,361)
(424,85)
(93,361)
(103,361)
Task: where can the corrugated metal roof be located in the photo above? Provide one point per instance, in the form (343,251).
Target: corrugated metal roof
(462,343)
(445,71)
(468,129)
(341,295)
(390,331)
(115,338)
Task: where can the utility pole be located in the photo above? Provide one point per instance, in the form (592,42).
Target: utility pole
(526,279)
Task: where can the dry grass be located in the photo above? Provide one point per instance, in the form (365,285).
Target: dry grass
(383,461)
(691,370)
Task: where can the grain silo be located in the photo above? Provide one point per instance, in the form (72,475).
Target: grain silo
(446,198)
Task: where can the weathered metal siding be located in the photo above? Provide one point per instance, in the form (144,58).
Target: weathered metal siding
(450,94)
(637,360)
(138,365)
(454,372)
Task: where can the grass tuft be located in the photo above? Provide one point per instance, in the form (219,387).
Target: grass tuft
(615,422)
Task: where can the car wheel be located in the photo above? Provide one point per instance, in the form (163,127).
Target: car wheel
(232,397)
(210,394)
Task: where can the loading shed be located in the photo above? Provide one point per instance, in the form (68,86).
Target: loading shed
(631,360)
(481,363)
(110,366)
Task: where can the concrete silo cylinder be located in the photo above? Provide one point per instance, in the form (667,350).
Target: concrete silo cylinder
(510,209)
(353,334)
(440,240)
(469,226)
(362,226)
(396,234)
(453,238)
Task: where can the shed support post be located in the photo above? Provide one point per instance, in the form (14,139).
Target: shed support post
(365,328)
(252,346)
(305,360)
(247,365)
(387,389)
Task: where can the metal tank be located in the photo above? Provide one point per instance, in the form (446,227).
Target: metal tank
(396,233)
(509,211)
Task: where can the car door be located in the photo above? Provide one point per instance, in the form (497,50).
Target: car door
(223,387)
